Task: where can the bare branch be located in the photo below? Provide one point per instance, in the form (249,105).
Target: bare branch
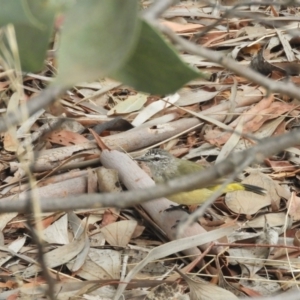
(267,147)
(157,9)
(46,97)
(287,295)
(41,259)
(287,88)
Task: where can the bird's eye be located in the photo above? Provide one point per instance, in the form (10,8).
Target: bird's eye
(156,158)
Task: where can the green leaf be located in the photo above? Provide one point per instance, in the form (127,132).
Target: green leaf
(33,23)
(132,103)
(97,38)
(154,67)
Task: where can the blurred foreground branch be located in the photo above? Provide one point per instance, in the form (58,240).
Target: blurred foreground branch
(283,87)
(42,100)
(267,147)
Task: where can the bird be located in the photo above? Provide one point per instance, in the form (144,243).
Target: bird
(164,167)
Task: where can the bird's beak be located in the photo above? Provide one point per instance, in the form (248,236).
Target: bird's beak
(142,158)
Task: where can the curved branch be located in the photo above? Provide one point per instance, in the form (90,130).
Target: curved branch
(287,88)
(42,100)
(157,9)
(267,147)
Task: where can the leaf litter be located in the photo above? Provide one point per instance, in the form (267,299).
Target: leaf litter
(88,250)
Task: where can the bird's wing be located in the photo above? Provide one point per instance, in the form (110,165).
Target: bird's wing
(191,167)
(188,167)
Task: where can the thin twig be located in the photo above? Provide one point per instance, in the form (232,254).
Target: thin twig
(46,97)
(201,210)
(287,88)
(267,147)
(157,9)
(41,259)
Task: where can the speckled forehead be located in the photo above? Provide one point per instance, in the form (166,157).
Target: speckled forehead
(153,153)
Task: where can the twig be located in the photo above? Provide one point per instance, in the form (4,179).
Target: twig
(42,100)
(243,245)
(267,147)
(41,260)
(157,9)
(287,88)
(201,210)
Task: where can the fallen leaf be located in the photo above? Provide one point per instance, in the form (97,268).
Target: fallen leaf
(132,103)
(57,233)
(119,233)
(204,290)
(165,292)
(154,108)
(66,138)
(294,207)
(181,28)
(242,202)
(58,256)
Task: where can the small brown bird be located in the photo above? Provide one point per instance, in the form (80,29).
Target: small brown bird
(165,166)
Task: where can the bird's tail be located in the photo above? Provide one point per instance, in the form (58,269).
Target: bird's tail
(245,187)
(254,189)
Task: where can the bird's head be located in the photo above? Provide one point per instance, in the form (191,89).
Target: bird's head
(159,161)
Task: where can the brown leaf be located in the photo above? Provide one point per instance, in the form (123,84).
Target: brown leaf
(119,233)
(164,292)
(294,207)
(200,290)
(181,28)
(66,138)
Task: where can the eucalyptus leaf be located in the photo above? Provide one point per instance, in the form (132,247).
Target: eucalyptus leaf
(97,38)
(200,289)
(132,103)
(33,24)
(155,67)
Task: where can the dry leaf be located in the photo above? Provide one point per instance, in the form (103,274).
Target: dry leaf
(253,258)
(10,142)
(66,138)
(119,233)
(182,28)
(132,103)
(153,109)
(200,290)
(248,203)
(189,97)
(274,219)
(78,228)
(59,256)
(166,292)
(155,268)
(15,246)
(294,207)
(101,264)
(57,233)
